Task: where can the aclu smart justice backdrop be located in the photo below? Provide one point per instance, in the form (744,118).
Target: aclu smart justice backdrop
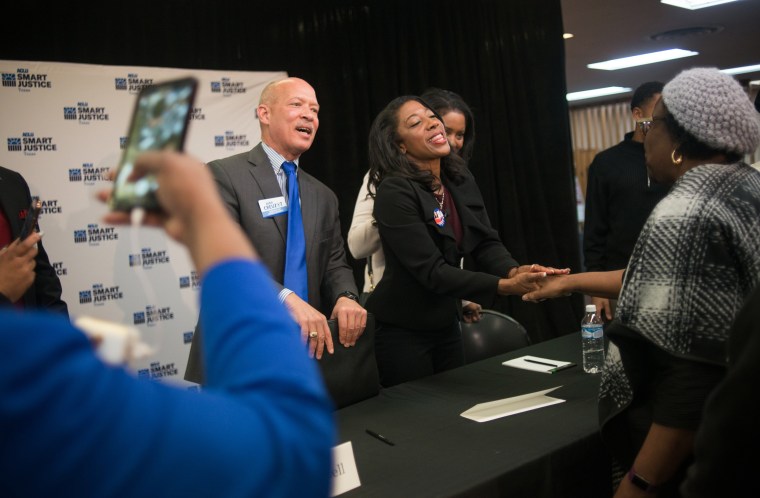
(68,129)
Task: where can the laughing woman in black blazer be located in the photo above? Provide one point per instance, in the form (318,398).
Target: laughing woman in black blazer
(430,213)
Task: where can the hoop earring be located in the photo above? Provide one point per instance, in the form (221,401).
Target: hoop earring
(676,162)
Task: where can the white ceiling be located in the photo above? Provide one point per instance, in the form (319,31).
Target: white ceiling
(609,29)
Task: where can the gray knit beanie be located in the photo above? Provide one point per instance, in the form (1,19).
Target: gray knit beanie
(714,108)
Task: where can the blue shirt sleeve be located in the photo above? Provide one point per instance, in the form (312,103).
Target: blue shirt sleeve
(73,426)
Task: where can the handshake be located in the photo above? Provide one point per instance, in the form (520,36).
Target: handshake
(533,282)
(557,283)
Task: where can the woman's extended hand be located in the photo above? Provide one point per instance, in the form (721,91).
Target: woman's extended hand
(550,287)
(520,283)
(536,268)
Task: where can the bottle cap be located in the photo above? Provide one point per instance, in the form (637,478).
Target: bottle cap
(590,308)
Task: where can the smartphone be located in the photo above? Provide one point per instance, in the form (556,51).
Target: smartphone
(159,122)
(30,222)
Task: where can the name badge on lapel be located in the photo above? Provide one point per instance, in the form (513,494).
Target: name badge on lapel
(439,217)
(273,206)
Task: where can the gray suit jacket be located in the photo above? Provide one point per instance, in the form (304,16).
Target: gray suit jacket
(246,178)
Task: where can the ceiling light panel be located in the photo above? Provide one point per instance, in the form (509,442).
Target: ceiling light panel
(597,92)
(695,4)
(641,59)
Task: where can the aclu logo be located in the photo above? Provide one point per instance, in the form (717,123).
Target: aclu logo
(85,113)
(133,83)
(122,143)
(138,317)
(94,235)
(135,260)
(85,297)
(230,140)
(14,144)
(148,257)
(227,87)
(60,270)
(9,80)
(187,337)
(26,81)
(100,295)
(30,144)
(157,371)
(192,281)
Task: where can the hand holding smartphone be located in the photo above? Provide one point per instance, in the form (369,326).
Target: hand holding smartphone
(159,122)
(30,222)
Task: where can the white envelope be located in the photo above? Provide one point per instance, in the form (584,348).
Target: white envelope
(538,364)
(483,412)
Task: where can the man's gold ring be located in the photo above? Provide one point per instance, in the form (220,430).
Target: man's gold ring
(313,334)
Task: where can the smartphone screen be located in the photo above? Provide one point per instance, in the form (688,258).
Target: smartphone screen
(30,222)
(159,122)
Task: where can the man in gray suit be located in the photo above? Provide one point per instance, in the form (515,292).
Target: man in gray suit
(252,182)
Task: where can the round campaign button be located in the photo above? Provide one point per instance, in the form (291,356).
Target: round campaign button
(439,218)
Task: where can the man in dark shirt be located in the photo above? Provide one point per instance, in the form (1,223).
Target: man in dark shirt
(620,196)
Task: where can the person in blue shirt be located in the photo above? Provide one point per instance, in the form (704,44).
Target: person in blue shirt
(70,425)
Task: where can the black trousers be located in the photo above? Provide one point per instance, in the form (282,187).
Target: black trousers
(404,354)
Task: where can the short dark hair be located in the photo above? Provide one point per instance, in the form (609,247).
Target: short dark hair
(386,159)
(644,92)
(445,101)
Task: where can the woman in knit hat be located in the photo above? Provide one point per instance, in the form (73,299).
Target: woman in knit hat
(696,261)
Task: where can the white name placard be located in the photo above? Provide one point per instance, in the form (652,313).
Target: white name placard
(345,477)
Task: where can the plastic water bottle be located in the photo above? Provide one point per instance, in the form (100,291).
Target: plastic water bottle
(592,338)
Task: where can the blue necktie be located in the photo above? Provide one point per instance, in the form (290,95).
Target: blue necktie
(295,249)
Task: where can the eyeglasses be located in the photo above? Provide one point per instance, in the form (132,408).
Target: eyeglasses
(646,124)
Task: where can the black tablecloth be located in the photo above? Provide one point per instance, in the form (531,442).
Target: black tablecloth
(553,451)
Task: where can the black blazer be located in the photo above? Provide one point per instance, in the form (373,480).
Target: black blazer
(15,200)
(423,285)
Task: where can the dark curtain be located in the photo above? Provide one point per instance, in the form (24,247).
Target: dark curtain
(506,59)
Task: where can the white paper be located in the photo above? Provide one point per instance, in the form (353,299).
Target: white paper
(483,412)
(545,365)
(115,343)
(345,476)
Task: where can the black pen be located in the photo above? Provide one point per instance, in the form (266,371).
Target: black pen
(380,437)
(541,363)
